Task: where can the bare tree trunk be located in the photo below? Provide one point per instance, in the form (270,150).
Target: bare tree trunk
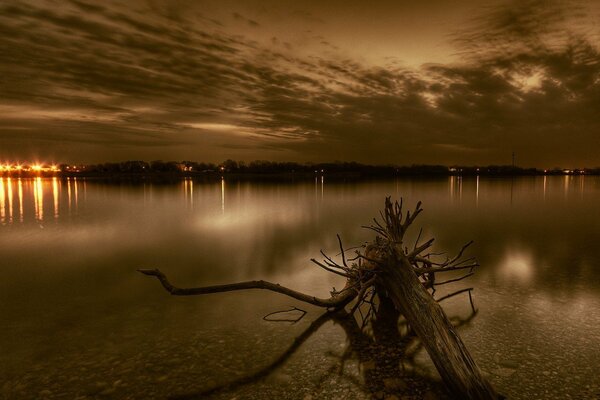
(447,351)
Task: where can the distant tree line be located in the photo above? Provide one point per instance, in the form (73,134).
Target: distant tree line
(262,167)
(255,167)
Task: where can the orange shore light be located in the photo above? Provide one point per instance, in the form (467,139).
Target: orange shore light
(28,167)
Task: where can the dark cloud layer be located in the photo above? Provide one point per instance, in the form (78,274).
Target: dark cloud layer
(92,81)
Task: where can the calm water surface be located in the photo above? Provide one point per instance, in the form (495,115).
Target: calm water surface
(79,322)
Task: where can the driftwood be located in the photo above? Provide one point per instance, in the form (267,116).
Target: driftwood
(398,274)
(387,271)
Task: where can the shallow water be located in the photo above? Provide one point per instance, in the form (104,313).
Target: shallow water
(79,321)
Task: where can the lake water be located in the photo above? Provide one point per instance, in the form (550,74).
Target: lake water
(78,321)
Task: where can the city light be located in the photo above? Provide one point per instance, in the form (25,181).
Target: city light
(34,167)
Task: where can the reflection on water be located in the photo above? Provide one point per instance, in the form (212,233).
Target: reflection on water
(76,191)
(517,265)
(69,194)
(545,185)
(455,188)
(319,188)
(32,199)
(38,199)
(477,193)
(71,300)
(223,195)
(20,188)
(2,200)
(188,192)
(10,199)
(55,195)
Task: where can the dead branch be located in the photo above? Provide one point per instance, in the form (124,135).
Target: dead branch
(342,251)
(422,271)
(421,248)
(329,269)
(454,280)
(362,293)
(454,294)
(334,302)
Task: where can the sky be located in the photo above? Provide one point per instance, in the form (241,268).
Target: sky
(464,82)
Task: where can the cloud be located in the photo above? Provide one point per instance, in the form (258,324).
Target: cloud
(250,22)
(135,78)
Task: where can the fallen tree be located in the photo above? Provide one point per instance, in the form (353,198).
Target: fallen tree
(388,271)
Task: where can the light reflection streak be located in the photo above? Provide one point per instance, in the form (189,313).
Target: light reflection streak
(456,187)
(477,193)
(20,193)
(2,201)
(322,185)
(55,196)
(545,186)
(192,194)
(76,193)
(38,199)
(188,192)
(223,195)
(10,199)
(69,193)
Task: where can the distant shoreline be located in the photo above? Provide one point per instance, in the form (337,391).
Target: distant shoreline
(289,176)
(269,170)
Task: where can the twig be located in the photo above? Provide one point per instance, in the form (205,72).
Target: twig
(326,268)
(419,249)
(362,293)
(342,251)
(454,280)
(454,294)
(421,271)
(418,238)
